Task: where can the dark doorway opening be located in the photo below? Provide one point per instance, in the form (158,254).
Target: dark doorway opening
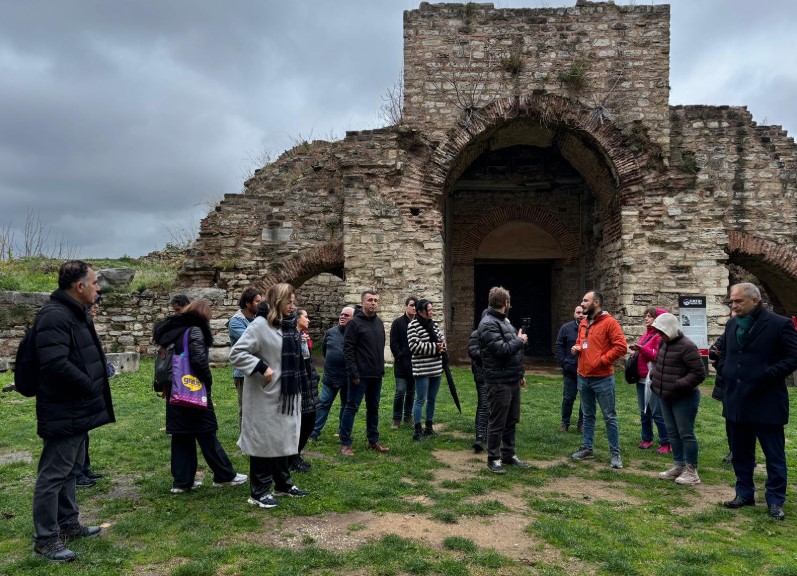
(529,283)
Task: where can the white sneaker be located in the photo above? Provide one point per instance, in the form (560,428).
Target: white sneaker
(237,481)
(265,501)
(688,477)
(671,474)
(197,484)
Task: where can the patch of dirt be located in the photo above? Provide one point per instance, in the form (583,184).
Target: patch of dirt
(17,456)
(342,532)
(591,491)
(462,465)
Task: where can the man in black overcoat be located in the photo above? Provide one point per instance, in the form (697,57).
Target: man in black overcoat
(760,350)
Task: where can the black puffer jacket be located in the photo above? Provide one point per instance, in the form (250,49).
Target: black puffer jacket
(364,346)
(501,350)
(678,369)
(184,419)
(475,354)
(74,395)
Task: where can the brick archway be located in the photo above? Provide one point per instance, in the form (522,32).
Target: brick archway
(773,264)
(571,122)
(298,268)
(464,251)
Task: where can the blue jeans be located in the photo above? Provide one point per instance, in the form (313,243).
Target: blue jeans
(679,417)
(371,390)
(326,399)
(404,398)
(600,389)
(569,393)
(426,389)
(650,414)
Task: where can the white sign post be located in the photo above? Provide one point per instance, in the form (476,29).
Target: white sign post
(694,322)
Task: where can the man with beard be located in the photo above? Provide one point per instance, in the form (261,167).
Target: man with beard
(250,298)
(600,343)
(502,369)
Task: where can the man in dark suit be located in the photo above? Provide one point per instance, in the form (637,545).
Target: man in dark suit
(759,351)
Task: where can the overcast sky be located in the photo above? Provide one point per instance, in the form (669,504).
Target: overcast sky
(120,121)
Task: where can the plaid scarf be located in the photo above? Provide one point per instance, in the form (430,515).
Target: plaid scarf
(294,377)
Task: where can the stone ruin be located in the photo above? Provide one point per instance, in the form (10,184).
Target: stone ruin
(536,149)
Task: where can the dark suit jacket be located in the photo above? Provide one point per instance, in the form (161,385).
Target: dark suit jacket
(754,373)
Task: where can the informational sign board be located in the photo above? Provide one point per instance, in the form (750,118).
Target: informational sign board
(694,321)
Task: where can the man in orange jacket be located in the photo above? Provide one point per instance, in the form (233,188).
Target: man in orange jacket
(600,343)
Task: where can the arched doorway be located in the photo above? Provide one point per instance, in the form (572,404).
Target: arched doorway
(517,219)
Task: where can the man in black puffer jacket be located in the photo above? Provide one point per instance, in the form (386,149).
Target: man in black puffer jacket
(73,397)
(502,369)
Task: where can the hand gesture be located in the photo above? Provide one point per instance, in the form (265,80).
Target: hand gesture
(523,336)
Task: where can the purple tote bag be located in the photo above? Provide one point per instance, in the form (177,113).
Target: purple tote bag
(187,389)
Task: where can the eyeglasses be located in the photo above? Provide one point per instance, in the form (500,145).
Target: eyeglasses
(345,315)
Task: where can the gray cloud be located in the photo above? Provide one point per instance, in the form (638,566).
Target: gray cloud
(121,119)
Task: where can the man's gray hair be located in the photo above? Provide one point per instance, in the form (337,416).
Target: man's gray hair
(748,289)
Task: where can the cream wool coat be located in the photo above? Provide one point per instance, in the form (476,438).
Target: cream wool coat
(265,431)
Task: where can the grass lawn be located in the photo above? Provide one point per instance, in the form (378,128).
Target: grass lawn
(427,507)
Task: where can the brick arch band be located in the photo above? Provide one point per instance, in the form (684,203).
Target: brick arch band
(465,252)
(777,256)
(557,114)
(299,268)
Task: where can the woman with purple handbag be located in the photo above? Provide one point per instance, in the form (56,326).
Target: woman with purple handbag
(191,422)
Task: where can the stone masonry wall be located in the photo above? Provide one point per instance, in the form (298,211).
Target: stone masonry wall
(124,321)
(740,206)
(460,57)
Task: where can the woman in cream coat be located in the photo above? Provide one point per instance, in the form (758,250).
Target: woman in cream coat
(271,417)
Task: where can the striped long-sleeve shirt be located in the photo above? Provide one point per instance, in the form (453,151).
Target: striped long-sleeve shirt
(426,360)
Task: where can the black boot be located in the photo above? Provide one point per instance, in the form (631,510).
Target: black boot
(429,430)
(418,435)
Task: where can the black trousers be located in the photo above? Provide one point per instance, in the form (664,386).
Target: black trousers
(306,428)
(504,402)
(54,503)
(263,472)
(773,444)
(482,409)
(184,461)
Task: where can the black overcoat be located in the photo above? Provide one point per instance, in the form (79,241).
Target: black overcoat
(754,373)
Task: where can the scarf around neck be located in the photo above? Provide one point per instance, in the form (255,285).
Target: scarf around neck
(294,376)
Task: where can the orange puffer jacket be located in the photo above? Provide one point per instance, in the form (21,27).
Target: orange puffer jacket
(605,344)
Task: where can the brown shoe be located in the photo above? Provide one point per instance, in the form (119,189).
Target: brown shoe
(346,451)
(379,448)
(396,424)
(563,427)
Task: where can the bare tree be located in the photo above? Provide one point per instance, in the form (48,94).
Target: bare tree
(392,110)
(6,241)
(36,234)
(466,83)
(255,161)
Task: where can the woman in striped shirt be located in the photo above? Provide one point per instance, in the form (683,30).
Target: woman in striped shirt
(427,345)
